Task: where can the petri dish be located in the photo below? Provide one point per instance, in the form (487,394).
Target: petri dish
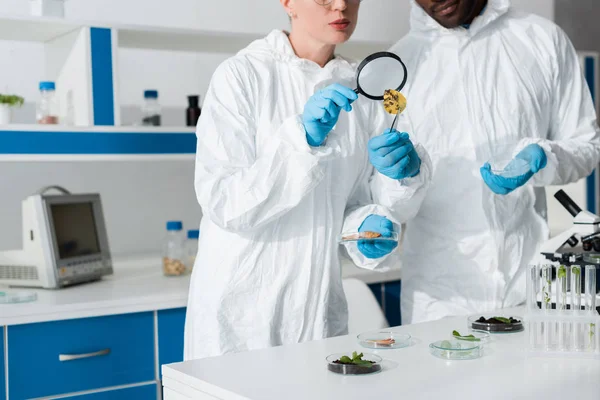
(350,369)
(508,167)
(478,337)
(481,322)
(349,237)
(453,349)
(384,339)
(13,297)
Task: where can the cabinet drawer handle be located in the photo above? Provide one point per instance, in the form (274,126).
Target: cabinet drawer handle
(71,357)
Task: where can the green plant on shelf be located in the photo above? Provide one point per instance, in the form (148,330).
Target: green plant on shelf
(11,100)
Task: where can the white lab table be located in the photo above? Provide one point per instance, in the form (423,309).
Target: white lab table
(299,372)
(137,285)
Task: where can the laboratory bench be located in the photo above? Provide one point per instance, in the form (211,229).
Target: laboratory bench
(108,339)
(505,371)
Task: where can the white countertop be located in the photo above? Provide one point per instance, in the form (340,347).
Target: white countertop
(300,372)
(137,285)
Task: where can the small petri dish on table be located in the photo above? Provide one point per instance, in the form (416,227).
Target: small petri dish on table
(496,323)
(371,365)
(453,349)
(473,336)
(384,339)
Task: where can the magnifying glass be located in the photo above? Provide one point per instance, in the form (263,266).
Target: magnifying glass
(379,72)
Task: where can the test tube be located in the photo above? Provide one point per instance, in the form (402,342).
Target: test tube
(547,326)
(533,287)
(590,288)
(576,287)
(547,286)
(561,305)
(561,289)
(590,305)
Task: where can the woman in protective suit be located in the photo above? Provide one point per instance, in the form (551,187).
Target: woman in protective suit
(282,168)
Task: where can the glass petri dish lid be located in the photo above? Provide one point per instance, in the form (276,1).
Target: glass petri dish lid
(453,349)
(384,339)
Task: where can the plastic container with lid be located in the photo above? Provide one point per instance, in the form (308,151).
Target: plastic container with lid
(151,109)
(174,253)
(47,108)
(191,248)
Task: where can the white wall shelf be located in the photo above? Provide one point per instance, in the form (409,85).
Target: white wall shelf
(44,29)
(97,129)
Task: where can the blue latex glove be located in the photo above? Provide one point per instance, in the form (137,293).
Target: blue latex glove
(394,155)
(377,249)
(322,111)
(533,154)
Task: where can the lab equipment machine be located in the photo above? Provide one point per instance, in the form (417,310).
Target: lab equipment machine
(580,244)
(64,242)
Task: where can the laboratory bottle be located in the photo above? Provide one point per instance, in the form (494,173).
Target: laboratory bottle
(47,108)
(151,110)
(173,256)
(193,111)
(191,248)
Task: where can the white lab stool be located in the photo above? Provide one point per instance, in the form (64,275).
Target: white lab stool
(364,312)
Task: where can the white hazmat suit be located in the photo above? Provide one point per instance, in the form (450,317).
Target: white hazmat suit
(512,79)
(268,266)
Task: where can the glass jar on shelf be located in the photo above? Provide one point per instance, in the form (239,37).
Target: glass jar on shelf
(173,253)
(47,108)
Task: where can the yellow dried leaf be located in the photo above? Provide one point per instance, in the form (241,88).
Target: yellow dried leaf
(394,102)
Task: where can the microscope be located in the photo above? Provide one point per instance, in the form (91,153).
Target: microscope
(580,244)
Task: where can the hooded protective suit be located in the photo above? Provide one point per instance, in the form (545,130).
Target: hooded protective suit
(510,80)
(268,266)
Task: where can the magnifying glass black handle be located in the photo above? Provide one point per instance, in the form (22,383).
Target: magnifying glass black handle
(394,122)
(357,91)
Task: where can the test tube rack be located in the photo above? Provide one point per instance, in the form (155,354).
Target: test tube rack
(572,328)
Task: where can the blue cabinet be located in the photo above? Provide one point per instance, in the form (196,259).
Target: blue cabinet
(388,296)
(148,392)
(2,371)
(61,357)
(171,325)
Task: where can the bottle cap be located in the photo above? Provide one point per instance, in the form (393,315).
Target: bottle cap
(151,94)
(193,101)
(193,234)
(174,225)
(47,85)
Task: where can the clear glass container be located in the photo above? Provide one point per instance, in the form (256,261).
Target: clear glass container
(173,254)
(490,323)
(191,248)
(384,339)
(348,237)
(151,110)
(47,108)
(455,350)
(350,369)
(473,336)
